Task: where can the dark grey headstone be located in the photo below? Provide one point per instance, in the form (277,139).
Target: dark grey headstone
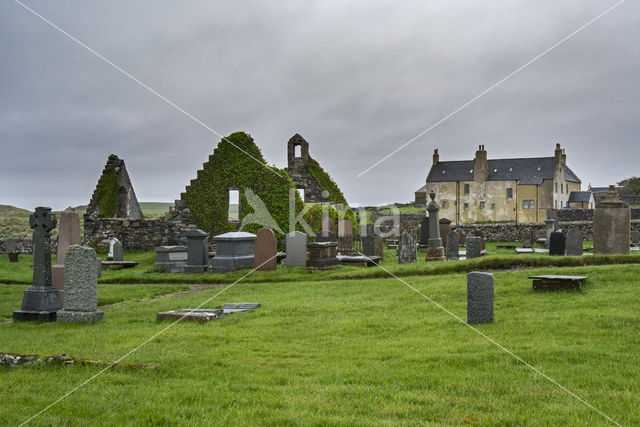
(452,248)
(81,286)
(424,231)
(171,259)
(557,243)
(635,238)
(473,246)
(369,245)
(574,242)
(407,251)
(197,251)
(12,245)
(326,236)
(234,250)
(41,300)
(479,297)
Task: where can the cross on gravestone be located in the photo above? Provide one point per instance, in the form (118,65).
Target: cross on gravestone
(574,242)
(480,296)
(41,301)
(81,286)
(557,243)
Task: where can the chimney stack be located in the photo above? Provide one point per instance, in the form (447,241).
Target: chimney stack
(436,157)
(558,155)
(564,157)
(480,165)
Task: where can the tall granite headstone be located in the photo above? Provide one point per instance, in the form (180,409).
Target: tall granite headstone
(369,245)
(69,234)
(451,250)
(435,251)
(407,251)
(611,225)
(557,243)
(473,247)
(266,250)
(197,251)
(12,249)
(574,242)
(81,286)
(479,297)
(296,247)
(424,231)
(41,300)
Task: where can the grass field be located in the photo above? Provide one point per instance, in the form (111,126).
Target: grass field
(341,352)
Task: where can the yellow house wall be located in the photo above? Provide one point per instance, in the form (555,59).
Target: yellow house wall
(529,192)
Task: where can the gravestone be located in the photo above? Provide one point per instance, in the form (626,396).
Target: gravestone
(435,251)
(197,251)
(115,250)
(81,286)
(407,251)
(452,246)
(473,247)
(68,234)
(322,255)
(234,250)
(574,242)
(345,236)
(296,247)
(424,231)
(369,245)
(12,249)
(549,227)
(326,236)
(526,238)
(611,225)
(557,243)
(379,248)
(445,227)
(479,297)
(327,224)
(171,259)
(41,300)
(266,250)
(635,238)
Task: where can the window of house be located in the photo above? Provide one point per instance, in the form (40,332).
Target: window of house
(509,193)
(561,188)
(481,205)
(444,203)
(556,187)
(528,204)
(466,189)
(466,205)
(234,206)
(493,206)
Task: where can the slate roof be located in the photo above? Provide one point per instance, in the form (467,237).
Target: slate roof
(527,171)
(580,196)
(599,189)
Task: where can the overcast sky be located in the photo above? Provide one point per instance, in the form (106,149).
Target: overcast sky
(356,79)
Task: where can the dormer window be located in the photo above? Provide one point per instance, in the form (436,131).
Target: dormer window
(539,168)
(495,170)
(444,172)
(510,169)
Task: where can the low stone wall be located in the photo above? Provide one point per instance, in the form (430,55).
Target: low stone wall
(586,214)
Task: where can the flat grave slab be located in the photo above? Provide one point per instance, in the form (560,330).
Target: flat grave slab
(204,315)
(106,265)
(554,282)
(359,259)
(531,251)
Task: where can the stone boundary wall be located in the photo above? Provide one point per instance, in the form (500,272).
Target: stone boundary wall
(586,214)
(25,246)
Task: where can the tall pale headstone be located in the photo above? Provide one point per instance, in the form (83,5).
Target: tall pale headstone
(266,250)
(435,251)
(327,224)
(296,247)
(81,285)
(611,225)
(407,248)
(69,234)
(41,300)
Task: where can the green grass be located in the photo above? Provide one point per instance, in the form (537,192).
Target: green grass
(345,352)
(402,210)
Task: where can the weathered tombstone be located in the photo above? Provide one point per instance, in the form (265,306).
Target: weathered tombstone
(41,301)
(12,249)
(171,259)
(435,251)
(557,243)
(345,236)
(473,247)
(574,242)
(197,251)
(407,248)
(526,238)
(326,236)
(266,250)
(452,246)
(296,247)
(635,238)
(69,234)
(115,250)
(424,231)
(549,227)
(81,286)
(479,297)
(327,224)
(445,227)
(234,250)
(611,225)
(322,255)
(379,248)
(369,245)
